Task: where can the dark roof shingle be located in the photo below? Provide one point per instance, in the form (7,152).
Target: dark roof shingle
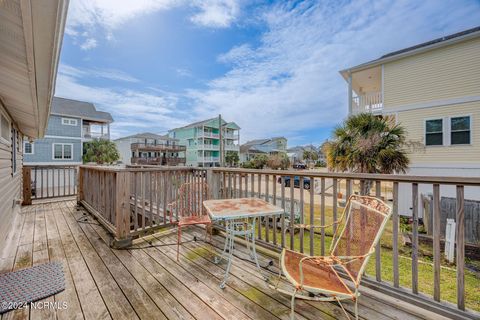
(81,109)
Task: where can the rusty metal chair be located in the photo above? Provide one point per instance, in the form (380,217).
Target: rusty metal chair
(188,208)
(318,278)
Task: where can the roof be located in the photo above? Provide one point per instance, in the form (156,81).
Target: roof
(198,123)
(147,135)
(249,145)
(422,47)
(81,109)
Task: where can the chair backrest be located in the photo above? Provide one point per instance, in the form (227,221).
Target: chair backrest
(190,199)
(360,231)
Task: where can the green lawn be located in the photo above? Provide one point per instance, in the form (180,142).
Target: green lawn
(425,267)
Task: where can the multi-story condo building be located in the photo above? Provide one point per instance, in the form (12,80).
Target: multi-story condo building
(269,146)
(202,140)
(152,149)
(433,91)
(70,124)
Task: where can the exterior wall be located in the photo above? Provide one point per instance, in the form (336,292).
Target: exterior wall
(43,152)
(461,155)
(56,128)
(444,73)
(124,149)
(10,186)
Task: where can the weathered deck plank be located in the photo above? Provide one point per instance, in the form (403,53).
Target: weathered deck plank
(147,283)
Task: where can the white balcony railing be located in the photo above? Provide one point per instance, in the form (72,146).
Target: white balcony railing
(232,147)
(207,134)
(207,146)
(208,159)
(369,102)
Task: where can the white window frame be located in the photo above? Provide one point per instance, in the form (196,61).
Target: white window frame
(443,132)
(7,141)
(69,122)
(25,149)
(63,151)
(450,130)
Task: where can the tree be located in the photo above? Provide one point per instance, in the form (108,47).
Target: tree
(260,161)
(100,151)
(365,143)
(309,155)
(231,158)
(278,161)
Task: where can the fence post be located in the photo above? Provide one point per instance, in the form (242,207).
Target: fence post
(27,186)
(213,181)
(81,172)
(122,210)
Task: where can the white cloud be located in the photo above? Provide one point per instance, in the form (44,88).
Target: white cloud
(102,17)
(88,44)
(110,74)
(131,109)
(216,13)
(290,83)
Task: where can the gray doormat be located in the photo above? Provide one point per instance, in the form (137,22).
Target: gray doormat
(20,287)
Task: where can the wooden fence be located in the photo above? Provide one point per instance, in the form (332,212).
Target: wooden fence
(323,208)
(41,182)
(132,201)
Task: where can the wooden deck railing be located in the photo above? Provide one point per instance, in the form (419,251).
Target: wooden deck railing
(41,182)
(321,204)
(132,201)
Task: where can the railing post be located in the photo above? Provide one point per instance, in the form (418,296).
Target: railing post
(122,210)
(213,181)
(81,172)
(27,186)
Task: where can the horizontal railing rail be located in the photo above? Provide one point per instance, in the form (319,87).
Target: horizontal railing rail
(42,182)
(157,146)
(304,196)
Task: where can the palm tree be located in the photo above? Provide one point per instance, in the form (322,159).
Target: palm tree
(365,143)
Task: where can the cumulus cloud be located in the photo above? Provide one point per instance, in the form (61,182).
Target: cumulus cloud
(99,18)
(289,83)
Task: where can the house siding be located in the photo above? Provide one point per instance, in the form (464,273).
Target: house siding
(56,128)
(440,74)
(10,186)
(43,151)
(414,123)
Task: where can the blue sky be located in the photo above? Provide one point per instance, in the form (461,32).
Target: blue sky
(270,66)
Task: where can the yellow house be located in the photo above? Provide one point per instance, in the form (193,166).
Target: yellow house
(31,34)
(433,91)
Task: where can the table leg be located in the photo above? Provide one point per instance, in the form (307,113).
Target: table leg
(231,241)
(217,259)
(254,250)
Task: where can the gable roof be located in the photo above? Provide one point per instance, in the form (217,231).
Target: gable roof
(250,145)
(231,125)
(81,109)
(147,135)
(419,48)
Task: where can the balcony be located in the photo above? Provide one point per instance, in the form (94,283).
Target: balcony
(231,135)
(369,102)
(146,281)
(157,147)
(208,134)
(96,131)
(232,147)
(208,159)
(207,146)
(158,161)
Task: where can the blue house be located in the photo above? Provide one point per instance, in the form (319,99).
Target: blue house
(71,123)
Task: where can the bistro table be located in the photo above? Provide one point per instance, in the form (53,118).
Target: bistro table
(239,216)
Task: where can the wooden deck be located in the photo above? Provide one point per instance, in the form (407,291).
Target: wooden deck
(148,283)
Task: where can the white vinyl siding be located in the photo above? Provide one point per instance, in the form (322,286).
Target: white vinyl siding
(4,128)
(69,122)
(62,151)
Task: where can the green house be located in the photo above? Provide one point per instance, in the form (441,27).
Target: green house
(203,141)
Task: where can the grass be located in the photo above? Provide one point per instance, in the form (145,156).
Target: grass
(448,291)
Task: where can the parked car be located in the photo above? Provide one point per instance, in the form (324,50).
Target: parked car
(296,182)
(299,165)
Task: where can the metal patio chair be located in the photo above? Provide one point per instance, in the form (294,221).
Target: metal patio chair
(318,278)
(188,208)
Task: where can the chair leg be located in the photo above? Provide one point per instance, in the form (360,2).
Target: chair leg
(179,238)
(356,308)
(292,305)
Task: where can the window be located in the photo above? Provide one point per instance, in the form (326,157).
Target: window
(14,150)
(460,130)
(434,132)
(69,122)
(62,151)
(5,128)
(28,147)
